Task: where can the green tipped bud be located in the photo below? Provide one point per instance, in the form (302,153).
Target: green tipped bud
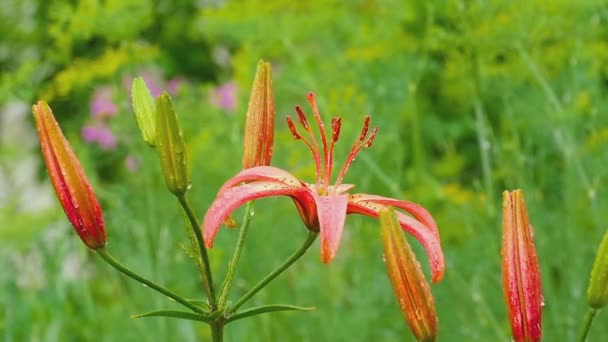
(144,108)
(597,293)
(259,125)
(171,146)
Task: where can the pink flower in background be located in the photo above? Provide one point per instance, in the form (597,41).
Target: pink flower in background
(131,163)
(224,96)
(174,85)
(153,82)
(99,134)
(102,104)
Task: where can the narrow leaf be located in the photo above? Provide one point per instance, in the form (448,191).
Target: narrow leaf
(175,314)
(268,308)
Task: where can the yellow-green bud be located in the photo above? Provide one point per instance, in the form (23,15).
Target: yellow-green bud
(171,146)
(597,293)
(144,108)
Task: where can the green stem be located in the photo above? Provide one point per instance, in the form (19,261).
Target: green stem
(206,272)
(293,258)
(589,316)
(103,253)
(234,262)
(217,331)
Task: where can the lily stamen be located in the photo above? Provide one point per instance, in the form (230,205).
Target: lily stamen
(363,141)
(313,147)
(326,157)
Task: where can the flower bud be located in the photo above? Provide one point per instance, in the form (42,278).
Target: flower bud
(171,146)
(69,180)
(410,287)
(597,293)
(144,108)
(520,270)
(259,125)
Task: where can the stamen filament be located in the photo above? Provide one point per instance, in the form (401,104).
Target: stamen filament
(314,148)
(326,157)
(336,123)
(313,140)
(363,141)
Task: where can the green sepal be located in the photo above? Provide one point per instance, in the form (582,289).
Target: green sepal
(145,110)
(175,314)
(597,293)
(171,146)
(266,309)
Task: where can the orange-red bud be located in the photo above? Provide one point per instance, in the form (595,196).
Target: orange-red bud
(69,180)
(520,270)
(259,125)
(410,287)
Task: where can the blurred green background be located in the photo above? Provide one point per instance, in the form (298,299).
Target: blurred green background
(471,98)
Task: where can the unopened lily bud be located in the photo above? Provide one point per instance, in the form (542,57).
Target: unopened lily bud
(410,287)
(597,293)
(259,125)
(73,189)
(171,146)
(144,108)
(520,270)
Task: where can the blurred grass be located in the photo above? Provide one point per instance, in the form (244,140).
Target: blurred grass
(471,98)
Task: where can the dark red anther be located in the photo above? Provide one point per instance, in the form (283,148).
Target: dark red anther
(302,117)
(311,97)
(292,128)
(336,123)
(365,128)
(372,136)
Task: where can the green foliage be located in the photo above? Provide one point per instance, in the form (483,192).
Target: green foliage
(471,98)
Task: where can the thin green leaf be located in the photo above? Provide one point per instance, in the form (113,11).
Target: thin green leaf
(175,314)
(268,308)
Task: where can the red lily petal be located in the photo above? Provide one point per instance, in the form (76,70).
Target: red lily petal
(230,199)
(364,204)
(331,210)
(261,173)
(416,210)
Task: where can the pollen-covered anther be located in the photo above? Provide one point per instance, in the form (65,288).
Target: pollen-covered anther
(336,123)
(292,128)
(365,128)
(302,118)
(372,136)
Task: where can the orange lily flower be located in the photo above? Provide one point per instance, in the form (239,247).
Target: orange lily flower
(322,206)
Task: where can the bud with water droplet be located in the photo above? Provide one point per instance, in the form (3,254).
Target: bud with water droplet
(171,146)
(145,110)
(520,270)
(410,287)
(597,293)
(259,125)
(73,189)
